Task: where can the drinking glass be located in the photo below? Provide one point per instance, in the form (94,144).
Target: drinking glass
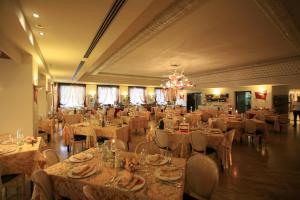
(20,137)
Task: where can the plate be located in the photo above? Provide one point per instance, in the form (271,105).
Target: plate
(7,150)
(135,188)
(162,162)
(158,175)
(73,159)
(93,171)
(6,142)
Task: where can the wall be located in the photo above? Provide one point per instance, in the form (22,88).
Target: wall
(42,102)
(16,97)
(255,103)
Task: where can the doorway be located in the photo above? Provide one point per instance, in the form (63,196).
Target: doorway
(193,101)
(243,101)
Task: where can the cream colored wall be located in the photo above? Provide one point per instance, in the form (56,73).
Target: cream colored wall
(42,102)
(255,103)
(16,97)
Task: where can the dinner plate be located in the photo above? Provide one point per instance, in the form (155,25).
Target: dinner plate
(162,162)
(93,171)
(157,174)
(73,159)
(6,142)
(5,150)
(135,188)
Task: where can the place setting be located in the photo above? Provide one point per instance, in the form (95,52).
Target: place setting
(5,149)
(82,171)
(81,157)
(157,159)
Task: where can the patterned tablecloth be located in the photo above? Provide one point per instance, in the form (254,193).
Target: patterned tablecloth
(47,125)
(136,122)
(145,114)
(153,188)
(213,140)
(121,133)
(25,159)
(115,132)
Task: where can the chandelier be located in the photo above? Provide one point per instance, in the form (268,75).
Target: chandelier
(177,81)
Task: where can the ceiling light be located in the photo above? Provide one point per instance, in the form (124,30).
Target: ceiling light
(42,33)
(35,15)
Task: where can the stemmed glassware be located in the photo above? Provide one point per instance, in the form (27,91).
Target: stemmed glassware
(20,137)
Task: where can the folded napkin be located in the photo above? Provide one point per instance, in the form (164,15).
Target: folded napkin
(169,172)
(157,158)
(81,170)
(80,156)
(128,181)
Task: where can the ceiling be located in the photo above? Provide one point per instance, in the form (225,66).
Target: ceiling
(144,38)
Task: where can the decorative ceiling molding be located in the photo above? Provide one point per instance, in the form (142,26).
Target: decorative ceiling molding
(242,67)
(281,18)
(121,79)
(130,76)
(289,67)
(173,13)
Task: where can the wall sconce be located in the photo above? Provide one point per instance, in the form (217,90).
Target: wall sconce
(150,94)
(124,94)
(217,91)
(92,93)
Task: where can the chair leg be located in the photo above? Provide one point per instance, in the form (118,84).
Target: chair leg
(230,157)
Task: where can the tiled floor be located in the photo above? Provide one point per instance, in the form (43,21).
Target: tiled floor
(270,172)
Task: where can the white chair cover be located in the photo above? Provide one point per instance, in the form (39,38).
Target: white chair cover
(220,124)
(199,142)
(43,184)
(161,138)
(51,157)
(202,176)
(227,144)
(250,126)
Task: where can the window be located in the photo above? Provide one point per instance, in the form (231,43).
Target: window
(137,95)
(160,97)
(72,96)
(180,100)
(108,95)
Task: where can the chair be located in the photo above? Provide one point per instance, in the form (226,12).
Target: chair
(120,145)
(43,185)
(11,180)
(150,147)
(227,144)
(202,177)
(111,114)
(51,157)
(205,116)
(105,193)
(220,124)
(161,140)
(250,130)
(199,142)
(283,122)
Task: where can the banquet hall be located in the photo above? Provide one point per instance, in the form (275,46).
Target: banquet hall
(149,99)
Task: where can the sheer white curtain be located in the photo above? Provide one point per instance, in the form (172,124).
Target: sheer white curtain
(160,97)
(108,95)
(137,95)
(180,101)
(72,96)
